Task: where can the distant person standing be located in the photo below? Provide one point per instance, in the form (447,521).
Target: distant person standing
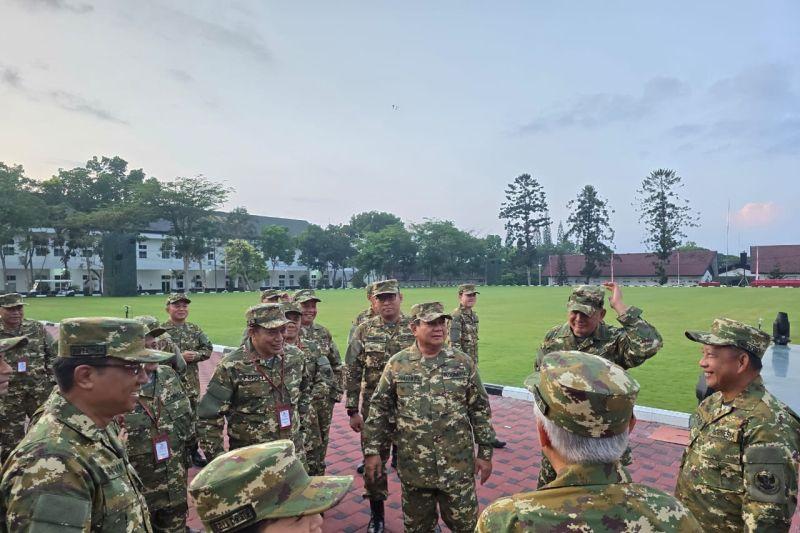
(585,331)
(464,328)
(739,472)
(194,347)
(5,369)
(367,313)
(32,363)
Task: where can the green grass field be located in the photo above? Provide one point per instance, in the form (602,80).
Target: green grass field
(513,322)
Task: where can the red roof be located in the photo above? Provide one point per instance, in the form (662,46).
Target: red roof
(693,263)
(786,256)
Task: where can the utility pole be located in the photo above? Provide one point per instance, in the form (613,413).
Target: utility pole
(540,274)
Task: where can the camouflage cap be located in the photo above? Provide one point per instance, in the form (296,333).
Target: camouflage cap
(151,325)
(12,342)
(305,295)
(586,298)
(259,482)
(428,311)
(12,299)
(387,286)
(728,332)
(584,393)
(102,337)
(291,307)
(270,294)
(266,315)
(467,288)
(370,289)
(176,297)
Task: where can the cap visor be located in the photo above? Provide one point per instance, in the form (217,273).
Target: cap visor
(187,300)
(9,306)
(470,293)
(430,317)
(532,381)
(378,293)
(704,337)
(322,493)
(307,299)
(156,332)
(587,310)
(272,324)
(145,356)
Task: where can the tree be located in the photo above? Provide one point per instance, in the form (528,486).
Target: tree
(494,256)
(276,245)
(20,211)
(237,224)
(338,249)
(390,252)
(664,214)
(525,213)
(311,243)
(562,276)
(446,250)
(188,204)
(245,261)
(371,222)
(690,246)
(776,272)
(589,224)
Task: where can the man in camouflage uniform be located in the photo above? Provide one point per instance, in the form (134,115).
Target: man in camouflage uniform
(320,375)
(160,430)
(70,472)
(464,329)
(310,330)
(5,369)
(585,331)
(739,472)
(157,338)
(373,343)
(584,412)
(262,389)
(367,313)
(263,488)
(442,412)
(271,296)
(194,347)
(32,379)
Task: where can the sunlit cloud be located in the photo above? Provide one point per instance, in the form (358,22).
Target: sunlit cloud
(757,214)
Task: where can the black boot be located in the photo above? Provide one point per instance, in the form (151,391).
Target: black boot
(197,459)
(376,524)
(360,468)
(497,443)
(394,456)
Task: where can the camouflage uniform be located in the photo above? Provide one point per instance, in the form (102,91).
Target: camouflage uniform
(240,391)
(464,325)
(189,337)
(167,414)
(364,315)
(5,345)
(442,412)
(32,380)
(69,474)
(374,343)
(591,398)
(261,482)
(629,346)
(739,472)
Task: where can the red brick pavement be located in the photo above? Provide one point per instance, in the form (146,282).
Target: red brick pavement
(516,467)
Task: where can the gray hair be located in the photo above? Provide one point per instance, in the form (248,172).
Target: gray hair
(577,449)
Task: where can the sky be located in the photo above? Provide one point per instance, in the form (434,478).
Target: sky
(319,110)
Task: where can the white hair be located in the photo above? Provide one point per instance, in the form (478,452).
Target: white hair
(577,449)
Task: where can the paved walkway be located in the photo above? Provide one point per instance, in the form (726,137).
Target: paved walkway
(656,449)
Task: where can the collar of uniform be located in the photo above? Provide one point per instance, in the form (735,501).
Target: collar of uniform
(169,324)
(439,359)
(590,474)
(148,390)
(252,355)
(73,417)
(11,332)
(750,396)
(464,309)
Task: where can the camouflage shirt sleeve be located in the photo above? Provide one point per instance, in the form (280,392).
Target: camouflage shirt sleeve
(44,490)
(455,331)
(638,341)
(354,360)
(335,359)
(544,348)
(770,457)
(378,427)
(204,346)
(212,409)
(480,415)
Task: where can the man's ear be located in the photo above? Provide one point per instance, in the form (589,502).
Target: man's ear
(602,313)
(632,423)
(83,377)
(544,439)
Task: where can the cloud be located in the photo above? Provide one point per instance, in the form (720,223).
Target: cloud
(59,5)
(10,76)
(180,75)
(757,214)
(599,109)
(76,103)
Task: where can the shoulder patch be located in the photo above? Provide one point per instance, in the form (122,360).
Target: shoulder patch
(766,471)
(67,512)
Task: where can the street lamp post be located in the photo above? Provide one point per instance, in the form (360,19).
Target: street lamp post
(540,274)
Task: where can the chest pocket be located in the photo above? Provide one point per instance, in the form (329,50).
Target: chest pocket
(253,394)
(324,368)
(119,499)
(412,402)
(455,387)
(717,455)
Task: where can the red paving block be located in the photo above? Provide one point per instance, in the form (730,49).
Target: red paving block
(671,434)
(516,467)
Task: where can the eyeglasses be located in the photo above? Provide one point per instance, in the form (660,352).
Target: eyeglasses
(132,368)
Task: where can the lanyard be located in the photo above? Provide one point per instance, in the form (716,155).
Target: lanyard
(275,388)
(147,410)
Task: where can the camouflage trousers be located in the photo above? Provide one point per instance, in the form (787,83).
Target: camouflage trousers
(379,488)
(16,409)
(547,473)
(457,503)
(169,519)
(316,431)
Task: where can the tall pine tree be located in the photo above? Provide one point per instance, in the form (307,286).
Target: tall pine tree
(525,213)
(589,224)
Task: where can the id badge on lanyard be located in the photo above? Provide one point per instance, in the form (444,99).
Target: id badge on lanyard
(284,412)
(161,450)
(22,366)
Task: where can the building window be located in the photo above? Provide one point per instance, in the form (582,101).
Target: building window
(58,252)
(281,276)
(291,276)
(11,277)
(210,256)
(87,252)
(142,254)
(9,249)
(40,251)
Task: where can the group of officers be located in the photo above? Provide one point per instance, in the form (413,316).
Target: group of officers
(109,448)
